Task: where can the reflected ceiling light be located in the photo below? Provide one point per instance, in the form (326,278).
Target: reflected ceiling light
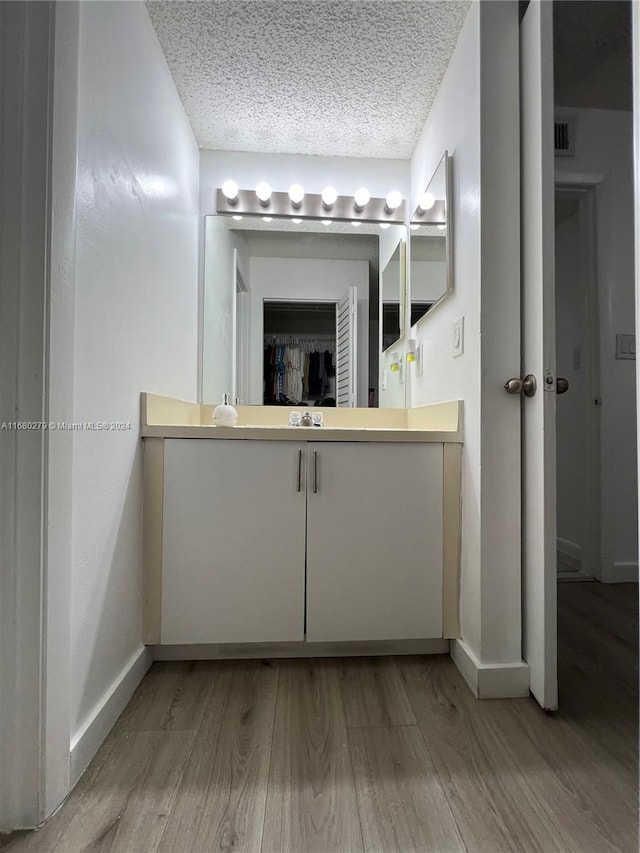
(230,191)
(296,194)
(237,218)
(326,222)
(427,200)
(442,226)
(361,198)
(263,191)
(393,201)
(329,196)
(355,223)
(296,221)
(414,226)
(267,218)
(385,225)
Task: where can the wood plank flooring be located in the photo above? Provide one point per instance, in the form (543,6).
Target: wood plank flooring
(370,755)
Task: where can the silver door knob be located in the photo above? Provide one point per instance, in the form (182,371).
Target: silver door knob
(562,385)
(526,386)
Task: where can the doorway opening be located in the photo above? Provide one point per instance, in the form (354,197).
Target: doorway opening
(578,362)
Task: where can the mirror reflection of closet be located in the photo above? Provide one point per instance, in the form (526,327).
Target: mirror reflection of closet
(299,353)
(430,273)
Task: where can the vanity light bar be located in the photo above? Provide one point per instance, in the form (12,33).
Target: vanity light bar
(279,206)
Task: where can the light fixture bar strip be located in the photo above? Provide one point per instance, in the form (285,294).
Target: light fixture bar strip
(280,207)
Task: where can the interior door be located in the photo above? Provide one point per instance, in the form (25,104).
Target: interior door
(538,353)
(347,349)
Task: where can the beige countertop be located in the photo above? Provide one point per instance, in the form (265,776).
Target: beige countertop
(163,417)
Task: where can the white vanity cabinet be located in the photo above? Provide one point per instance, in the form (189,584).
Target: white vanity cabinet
(233,542)
(283,541)
(374,541)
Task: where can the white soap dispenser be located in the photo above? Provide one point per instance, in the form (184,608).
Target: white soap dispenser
(225,415)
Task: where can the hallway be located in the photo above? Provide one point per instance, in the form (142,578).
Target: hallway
(387,754)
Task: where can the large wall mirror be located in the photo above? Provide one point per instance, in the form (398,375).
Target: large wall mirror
(392,285)
(431,273)
(290,312)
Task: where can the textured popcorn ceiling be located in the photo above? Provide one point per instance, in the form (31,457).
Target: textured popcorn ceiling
(353,78)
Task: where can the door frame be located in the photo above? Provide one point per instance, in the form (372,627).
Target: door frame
(583,190)
(636,149)
(38,218)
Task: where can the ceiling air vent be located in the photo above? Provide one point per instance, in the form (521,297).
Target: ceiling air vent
(564,138)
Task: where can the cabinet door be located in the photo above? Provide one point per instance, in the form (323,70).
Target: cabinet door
(234,542)
(374,541)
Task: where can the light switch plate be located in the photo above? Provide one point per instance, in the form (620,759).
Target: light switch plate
(458,337)
(626,346)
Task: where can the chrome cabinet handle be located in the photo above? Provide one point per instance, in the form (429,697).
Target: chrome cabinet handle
(315,472)
(299,489)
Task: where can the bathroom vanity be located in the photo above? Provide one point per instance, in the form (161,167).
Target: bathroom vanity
(343,535)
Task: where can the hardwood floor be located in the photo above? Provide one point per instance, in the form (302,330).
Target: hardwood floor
(383,755)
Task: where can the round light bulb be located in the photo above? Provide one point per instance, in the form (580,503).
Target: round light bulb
(427,200)
(394,200)
(385,225)
(329,196)
(296,221)
(296,194)
(263,191)
(361,198)
(326,222)
(414,226)
(355,223)
(267,219)
(230,190)
(237,218)
(442,226)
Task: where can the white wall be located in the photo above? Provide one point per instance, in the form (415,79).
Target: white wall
(309,279)
(604,152)
(135,326)
(475,118)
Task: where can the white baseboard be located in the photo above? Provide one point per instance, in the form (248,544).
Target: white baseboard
(620,572)
(230,651)
(490,681)
(87,740)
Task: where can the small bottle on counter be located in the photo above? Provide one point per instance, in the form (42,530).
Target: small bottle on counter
(306,419)
(225,415)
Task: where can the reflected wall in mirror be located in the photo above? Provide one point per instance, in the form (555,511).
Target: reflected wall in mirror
(287,309)
(431,274)
(392,285)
